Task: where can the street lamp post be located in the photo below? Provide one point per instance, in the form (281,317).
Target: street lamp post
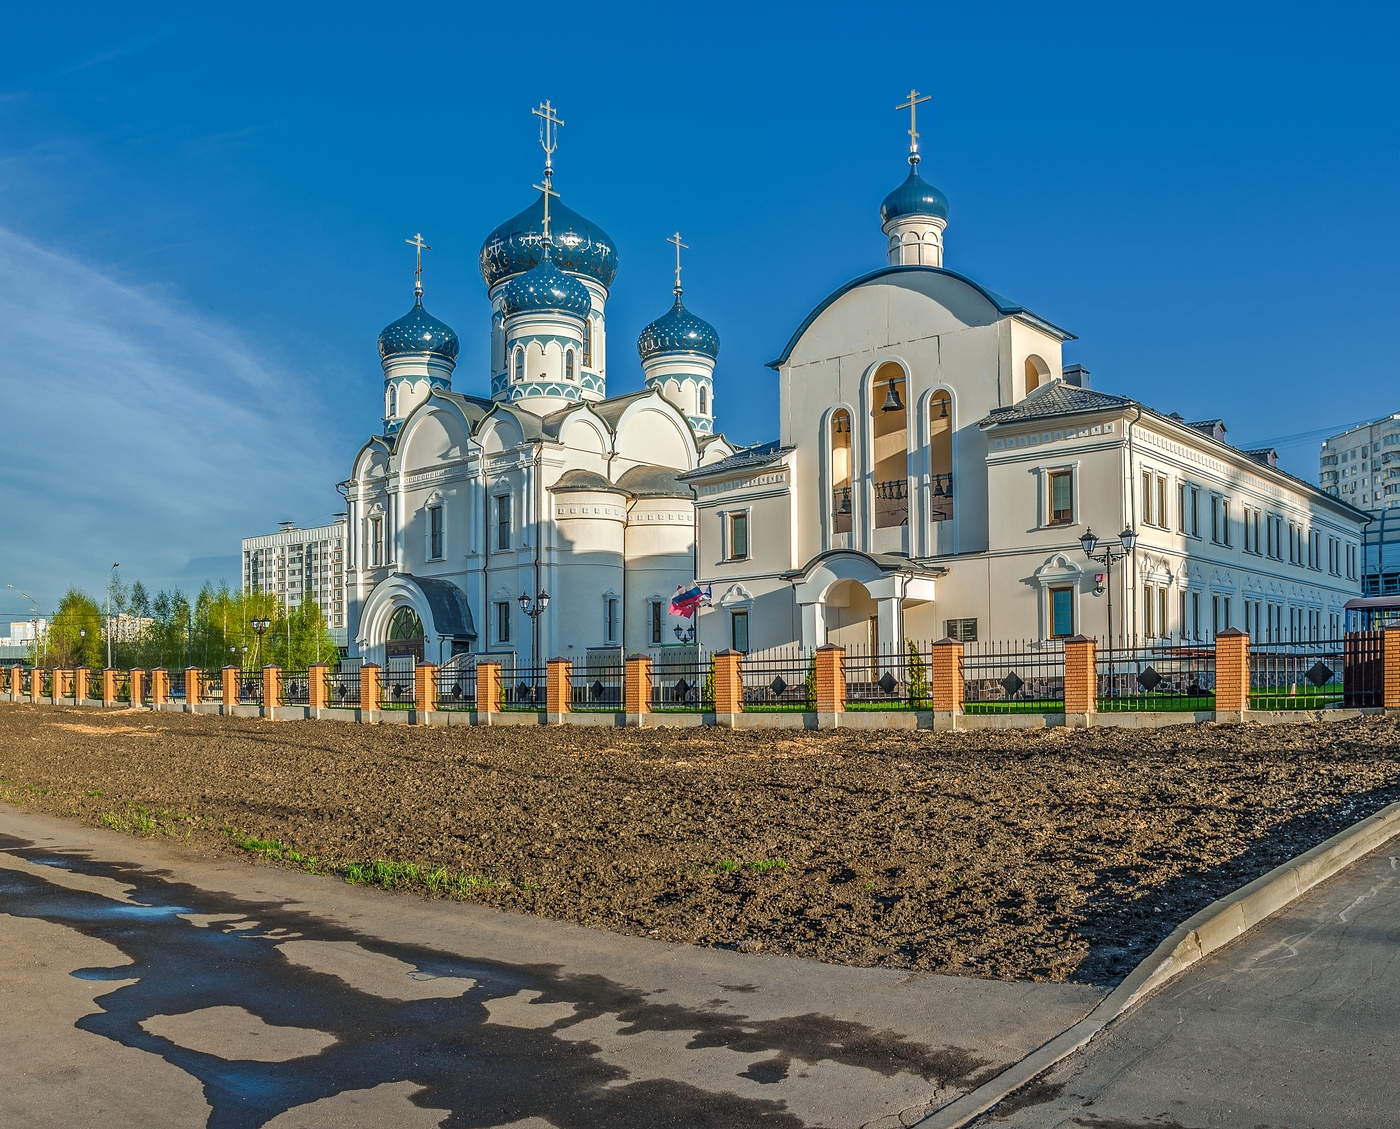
(534,609)
(1126,541)
(34,611)
(111,579)
(259,626)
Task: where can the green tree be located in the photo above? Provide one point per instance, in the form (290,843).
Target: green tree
(75,635)
(918,676)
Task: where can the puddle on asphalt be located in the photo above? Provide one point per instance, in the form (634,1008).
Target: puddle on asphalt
(488,1041)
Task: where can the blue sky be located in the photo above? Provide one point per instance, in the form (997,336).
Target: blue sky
(203,208)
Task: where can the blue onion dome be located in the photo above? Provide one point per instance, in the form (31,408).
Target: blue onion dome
(915,197)
(546,287)
(580,247)
(418,332)
(678,331)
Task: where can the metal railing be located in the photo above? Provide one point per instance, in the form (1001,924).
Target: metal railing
(296,687)
(1166,677)
(597,687)
(1364,682)
(887,678)
(523,688)
(211,686)
(782,678)
(1297,676)
(250,687)
(343,689)
(456,686)
(1014,677)
(396,691)
(682,683)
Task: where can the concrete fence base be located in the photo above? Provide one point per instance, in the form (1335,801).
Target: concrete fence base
(778,719)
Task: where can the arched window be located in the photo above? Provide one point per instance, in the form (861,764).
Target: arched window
(587,342)
(841,471)
(1037,373)
(391,402)
(518,364)
(940,453)
(704,401)
(889,395)
(568,364)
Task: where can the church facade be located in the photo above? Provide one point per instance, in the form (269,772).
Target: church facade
(936,468)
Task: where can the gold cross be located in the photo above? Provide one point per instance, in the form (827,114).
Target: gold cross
(913,107)
(548,192)
(550,122)
(676,239)
(417,242)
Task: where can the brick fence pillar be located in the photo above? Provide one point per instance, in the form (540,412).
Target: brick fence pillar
(318,686)
(1231,674)
(946,682)
(425,689)
(16,681)
(729,686)
(36,684)
(82,679)
(230,686)
(109,687)
(831,684)
(1081,680)
(488,691)
(136,686)
(272,687)
(62,684)
(636,689)
(371,686)
(160,686)
(1390,668)
(558,689)
(193,677)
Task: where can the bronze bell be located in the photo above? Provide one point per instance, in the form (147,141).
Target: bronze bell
(892,401)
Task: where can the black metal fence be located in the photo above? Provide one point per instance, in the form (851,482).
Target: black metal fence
(1151,678)
(250,687)
(597,686)
(1297,676)
(456,686)
(523,688)
(296,687)
(782,678)
(343,689)
(888,678)
(682,683)
(396,690)
(1014,676)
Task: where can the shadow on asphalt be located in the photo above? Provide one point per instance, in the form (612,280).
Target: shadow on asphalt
(484,1074)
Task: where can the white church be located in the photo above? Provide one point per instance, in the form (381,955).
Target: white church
(936,469)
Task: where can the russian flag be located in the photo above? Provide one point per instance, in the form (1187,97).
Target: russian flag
(686,600)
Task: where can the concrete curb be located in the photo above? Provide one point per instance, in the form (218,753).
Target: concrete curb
(1216,925)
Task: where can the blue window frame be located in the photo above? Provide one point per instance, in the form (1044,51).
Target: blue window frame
(1061,611)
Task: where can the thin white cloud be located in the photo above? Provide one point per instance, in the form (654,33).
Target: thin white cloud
(137,430)
(128,48)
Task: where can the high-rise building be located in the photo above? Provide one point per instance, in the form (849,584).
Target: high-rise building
(1362,466)
(298,565)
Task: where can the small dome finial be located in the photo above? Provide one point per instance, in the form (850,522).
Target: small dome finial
(417,242)
(676,239)
(913,107)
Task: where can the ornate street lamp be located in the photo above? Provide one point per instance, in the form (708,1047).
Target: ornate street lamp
(1127,540)
(259,626)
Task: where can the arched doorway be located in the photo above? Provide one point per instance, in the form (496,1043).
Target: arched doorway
(405,639)
(1037,373)
(852,617)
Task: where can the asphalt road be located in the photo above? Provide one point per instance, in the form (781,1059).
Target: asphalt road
(1293,1026)
(144,984)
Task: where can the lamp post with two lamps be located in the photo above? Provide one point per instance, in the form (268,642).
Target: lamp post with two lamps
(259,626)
(534,609)
(1127,540)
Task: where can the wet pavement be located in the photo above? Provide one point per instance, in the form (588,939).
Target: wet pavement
(1294,1025)
(144,983)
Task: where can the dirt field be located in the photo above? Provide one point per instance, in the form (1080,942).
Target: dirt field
(1036,854)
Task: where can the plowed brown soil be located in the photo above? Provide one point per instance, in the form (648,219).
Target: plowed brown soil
(1014,854)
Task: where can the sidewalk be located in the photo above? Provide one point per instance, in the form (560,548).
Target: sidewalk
(1294,1024)
(158,986)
